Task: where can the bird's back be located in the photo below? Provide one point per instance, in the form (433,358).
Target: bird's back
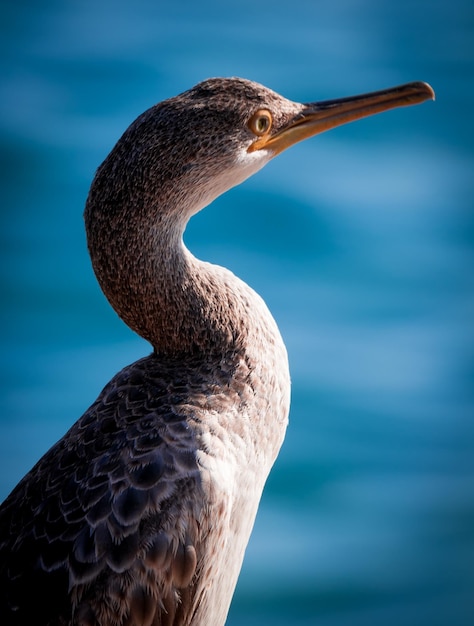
(141,513)
(92,524)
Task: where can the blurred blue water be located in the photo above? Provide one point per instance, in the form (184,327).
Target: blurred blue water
(359,240)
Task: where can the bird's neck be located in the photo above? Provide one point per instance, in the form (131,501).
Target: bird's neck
(176,302)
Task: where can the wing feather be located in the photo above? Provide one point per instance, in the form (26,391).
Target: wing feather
(107,527)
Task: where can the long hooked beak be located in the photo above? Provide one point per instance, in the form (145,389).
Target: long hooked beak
(317,117)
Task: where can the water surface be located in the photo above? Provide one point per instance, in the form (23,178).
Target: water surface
(359,240)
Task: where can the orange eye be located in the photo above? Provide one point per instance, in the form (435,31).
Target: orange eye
(261,122)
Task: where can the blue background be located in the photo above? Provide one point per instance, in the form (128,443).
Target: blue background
(360,241)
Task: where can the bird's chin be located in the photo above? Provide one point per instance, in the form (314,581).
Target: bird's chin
(207,188)
(248,162)
(245,165)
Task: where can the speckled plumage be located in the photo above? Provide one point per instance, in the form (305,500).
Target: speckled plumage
(141,513)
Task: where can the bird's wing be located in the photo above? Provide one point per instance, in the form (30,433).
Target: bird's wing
(108,527)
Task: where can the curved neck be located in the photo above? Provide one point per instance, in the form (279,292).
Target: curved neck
(177,303)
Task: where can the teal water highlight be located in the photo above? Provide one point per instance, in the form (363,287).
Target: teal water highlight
(359,240)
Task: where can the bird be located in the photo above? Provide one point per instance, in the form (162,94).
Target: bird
(141,513)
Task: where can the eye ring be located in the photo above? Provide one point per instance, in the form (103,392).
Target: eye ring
(261,122)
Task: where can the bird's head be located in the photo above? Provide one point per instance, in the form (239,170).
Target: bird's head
(185,151)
